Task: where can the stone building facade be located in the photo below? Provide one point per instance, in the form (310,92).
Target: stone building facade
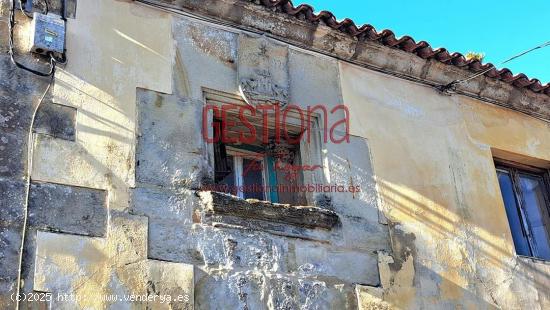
(106,200)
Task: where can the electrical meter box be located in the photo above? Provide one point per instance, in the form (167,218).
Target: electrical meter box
(47,33)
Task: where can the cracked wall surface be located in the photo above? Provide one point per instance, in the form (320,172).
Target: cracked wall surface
(115,206)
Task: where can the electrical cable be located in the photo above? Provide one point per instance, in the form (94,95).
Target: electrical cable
(28,185)
(23,11)
(450,86)
(63,10)
(53,61)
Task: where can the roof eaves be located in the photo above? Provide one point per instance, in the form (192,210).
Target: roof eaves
(405,43)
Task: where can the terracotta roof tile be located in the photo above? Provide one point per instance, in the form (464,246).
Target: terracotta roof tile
(405,43)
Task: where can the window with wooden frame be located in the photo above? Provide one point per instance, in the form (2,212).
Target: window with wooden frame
(244,173)
(262,167)
(525,192)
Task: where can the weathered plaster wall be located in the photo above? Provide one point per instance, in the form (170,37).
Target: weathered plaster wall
(119,138)
(436,178)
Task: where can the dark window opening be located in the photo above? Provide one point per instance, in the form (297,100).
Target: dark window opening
(253,174)
(526,199)
(257,170)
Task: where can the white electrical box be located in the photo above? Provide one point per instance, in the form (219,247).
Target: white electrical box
(47,33)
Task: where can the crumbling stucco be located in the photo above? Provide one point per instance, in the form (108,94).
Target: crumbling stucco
(443,197)
(116,206)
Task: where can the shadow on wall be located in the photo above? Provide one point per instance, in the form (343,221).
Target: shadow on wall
(102,157)
(100,81)
(470,253)
(456,260)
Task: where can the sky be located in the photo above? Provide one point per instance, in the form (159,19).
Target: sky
(499,29)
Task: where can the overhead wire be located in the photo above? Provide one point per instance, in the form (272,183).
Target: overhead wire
(450,86)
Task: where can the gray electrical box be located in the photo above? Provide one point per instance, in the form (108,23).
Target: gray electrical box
(47,33)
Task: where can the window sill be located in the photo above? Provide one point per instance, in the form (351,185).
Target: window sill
(533,259)
(299,216)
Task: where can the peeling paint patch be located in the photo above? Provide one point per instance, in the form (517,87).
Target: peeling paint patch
(210,41)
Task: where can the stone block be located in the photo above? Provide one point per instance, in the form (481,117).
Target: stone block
(69,163)
(12,196)
(169,240)
(127,237)
(170,279)
(163,204)
(218,248)
(207,56)
(56,120)
(350,166)
(12,199)
(369,298)
(255,251)
(313,72)
(90,269)
(13,153)
(68,209)
(169,147)
(20,91)
(347,266)
(364,234)
(263,71)
(256,290)
(10,241)
(242,290)
(63,260)
(169,216)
